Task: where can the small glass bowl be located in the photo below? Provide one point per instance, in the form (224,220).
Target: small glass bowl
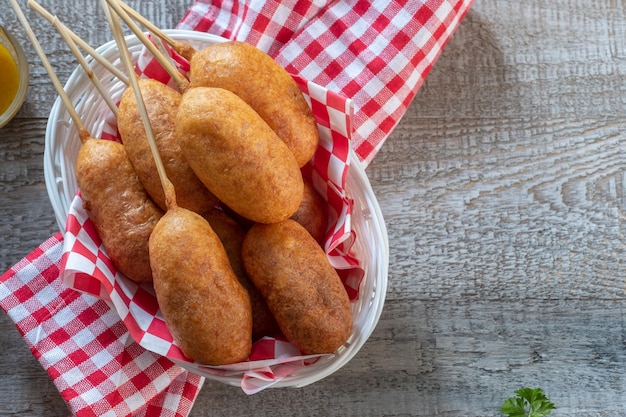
(17,53)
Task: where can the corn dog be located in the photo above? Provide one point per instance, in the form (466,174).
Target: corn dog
(262,83)
(237,156)
(205,307)
(301,288)
(118,206)
(162,105)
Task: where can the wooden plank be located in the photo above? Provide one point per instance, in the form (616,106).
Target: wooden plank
(459,357)
(522,208)
(26,217)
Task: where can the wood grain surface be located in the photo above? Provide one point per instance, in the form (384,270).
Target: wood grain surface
(504,193)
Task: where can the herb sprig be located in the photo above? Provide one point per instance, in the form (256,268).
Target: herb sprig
(529,402)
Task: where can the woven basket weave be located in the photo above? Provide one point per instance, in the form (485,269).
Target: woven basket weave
(371,247)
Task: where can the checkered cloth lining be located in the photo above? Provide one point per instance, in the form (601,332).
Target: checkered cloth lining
(87,351)
(375,52)
(87,268)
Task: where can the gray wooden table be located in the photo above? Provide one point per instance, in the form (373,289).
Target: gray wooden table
(504,194)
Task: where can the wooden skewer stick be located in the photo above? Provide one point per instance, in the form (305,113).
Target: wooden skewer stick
(180,47)
(85,65)
(159,44)
(82,132)
(80,42)
(181,82)
(116,29)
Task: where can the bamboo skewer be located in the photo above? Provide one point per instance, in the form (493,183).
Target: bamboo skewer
(82,132)
(116,29)
(180,47)
(158,52)
(85,65)
(159,44)
(180,81)
(80,42)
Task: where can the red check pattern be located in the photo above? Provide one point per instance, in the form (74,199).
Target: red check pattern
(375,52)
(85,347)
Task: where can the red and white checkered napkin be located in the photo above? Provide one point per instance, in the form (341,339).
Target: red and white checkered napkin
(376,52)
(86,267)
(87,351)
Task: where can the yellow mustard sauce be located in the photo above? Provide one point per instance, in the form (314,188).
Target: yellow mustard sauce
(9,78)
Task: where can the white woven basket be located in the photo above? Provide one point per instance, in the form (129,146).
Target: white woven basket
(371,246)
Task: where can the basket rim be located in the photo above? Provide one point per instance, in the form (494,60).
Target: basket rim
(376,275)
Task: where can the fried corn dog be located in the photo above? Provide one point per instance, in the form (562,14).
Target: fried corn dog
(301,288)
(162,106)
(266,86)
(238,156)
(118,206)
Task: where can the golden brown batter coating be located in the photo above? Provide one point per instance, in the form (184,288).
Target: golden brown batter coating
(162,106)
(312,213)
(263,84)
(205,307)
(232,235)
(117,204)
(237,156)
(301,288)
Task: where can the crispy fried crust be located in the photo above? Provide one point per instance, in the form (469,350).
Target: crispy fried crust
(265,86)
(205,307)
(301,288)
(312,213)
(162,106)
(232,234)
(237,156)
(118,206)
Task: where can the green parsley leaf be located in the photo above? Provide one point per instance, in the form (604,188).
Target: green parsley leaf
(528,403)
